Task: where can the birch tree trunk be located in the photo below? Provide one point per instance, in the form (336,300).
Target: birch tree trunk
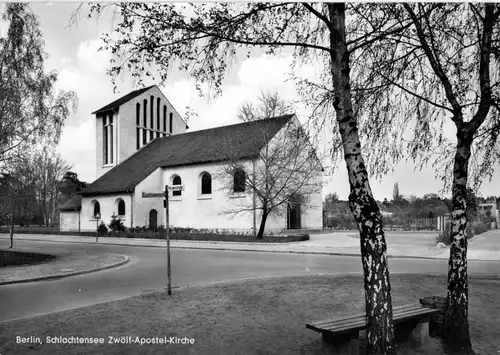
(456,321)
(380,330)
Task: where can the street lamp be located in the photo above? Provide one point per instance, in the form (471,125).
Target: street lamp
(97,217)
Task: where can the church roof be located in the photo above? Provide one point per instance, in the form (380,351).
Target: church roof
(117,103)
(73,204)
(244,140)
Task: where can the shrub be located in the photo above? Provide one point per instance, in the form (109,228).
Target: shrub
(116,225)
(102,228)
(445,235)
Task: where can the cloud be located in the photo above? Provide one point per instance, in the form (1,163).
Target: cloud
(91,58)
(77,146)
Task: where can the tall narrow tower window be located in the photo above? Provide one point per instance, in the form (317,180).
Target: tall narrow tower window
(158,105)
(171,123)
(151,118)
(108,138)
(138,114)
(105,139)
(164,119)
(145,114)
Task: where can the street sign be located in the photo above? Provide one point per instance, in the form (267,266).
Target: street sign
(153,194)
(176,188)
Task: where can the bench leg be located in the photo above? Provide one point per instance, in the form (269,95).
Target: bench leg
(420,334)
(348,345)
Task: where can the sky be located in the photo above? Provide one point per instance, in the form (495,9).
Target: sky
(73,52)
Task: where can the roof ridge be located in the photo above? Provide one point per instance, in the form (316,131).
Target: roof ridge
(288,116)
(123,99)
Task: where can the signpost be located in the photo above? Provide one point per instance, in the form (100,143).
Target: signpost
(167,233)
(97,217)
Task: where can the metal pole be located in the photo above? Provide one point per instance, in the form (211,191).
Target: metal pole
(97,229)
(169,271)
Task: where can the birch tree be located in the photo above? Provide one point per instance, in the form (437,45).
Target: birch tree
(440,72)
(30,108)
(149,39)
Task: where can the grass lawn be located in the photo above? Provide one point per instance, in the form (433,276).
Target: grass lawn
(254,317)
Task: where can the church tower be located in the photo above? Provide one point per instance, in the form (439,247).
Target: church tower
(130,123)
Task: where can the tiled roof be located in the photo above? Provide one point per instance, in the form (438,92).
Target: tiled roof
(117,103)
(73,204)
(245,140)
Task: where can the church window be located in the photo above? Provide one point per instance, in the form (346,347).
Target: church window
(164,118)
(97,209)
(239,180)
(138,114)
(121,208)
(144,137)
(171,123)
(105,138)
(206,184)
(145,113)
(108,139)
(151,118)
(177,182)
(138,138)
(158,105)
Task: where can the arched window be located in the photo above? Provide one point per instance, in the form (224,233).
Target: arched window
(177,182)
(164,118)
(145,113)
(152,119)
(138,122)
(171,123)
(121,208)
(239,180)
(206,184)
(158,105)
(138,114)
(97,209)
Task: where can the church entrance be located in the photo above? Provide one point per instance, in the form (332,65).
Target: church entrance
(153,219)
(293,220)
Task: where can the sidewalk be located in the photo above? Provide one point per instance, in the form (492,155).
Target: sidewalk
(483,247)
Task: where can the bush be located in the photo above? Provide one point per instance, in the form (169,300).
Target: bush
(473,228)
(102,228)
(116,225)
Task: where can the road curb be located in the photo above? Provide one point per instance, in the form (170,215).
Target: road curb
(256,251)
(63,275)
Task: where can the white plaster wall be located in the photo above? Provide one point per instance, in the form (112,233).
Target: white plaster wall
(208,211)
(124,127)
(312,212)
(109,206)
(142,205)
(69,221)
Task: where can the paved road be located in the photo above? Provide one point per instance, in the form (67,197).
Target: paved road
(146,272)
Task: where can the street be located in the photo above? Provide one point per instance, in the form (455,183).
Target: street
(146,271)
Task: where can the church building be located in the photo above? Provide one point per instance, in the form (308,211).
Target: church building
(143,145)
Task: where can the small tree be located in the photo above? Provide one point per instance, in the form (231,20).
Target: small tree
(270,105)
(116,224)
(287,172)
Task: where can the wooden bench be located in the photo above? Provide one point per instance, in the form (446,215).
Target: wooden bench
(411,322)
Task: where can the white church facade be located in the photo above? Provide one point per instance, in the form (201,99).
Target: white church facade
(143,145)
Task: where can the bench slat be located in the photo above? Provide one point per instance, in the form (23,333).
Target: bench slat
(362,324)
(361,315)
(359,325)
(358,322)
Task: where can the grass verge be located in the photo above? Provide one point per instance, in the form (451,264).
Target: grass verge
(253,317)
